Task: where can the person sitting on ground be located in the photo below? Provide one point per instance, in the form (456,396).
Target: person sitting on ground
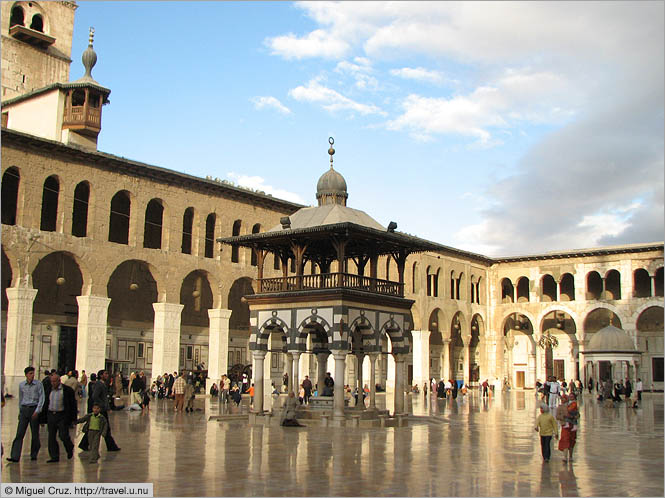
(214,391)
(289,411)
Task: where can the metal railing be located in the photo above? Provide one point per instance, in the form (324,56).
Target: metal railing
(330,281)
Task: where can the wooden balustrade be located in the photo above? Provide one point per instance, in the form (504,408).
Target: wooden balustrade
(330,281)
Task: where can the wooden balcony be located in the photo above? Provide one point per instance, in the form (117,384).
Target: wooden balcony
(306,283)
(77,119)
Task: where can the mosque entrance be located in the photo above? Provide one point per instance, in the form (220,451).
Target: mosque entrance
(67,349)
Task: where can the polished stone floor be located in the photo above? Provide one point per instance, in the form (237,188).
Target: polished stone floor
(467,447)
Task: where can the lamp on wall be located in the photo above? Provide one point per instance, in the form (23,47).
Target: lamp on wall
(61,271)
(560,320)
(133,286)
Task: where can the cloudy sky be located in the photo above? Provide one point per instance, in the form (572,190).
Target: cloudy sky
(500,128)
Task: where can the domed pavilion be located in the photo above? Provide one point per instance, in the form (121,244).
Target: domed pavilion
(611,354)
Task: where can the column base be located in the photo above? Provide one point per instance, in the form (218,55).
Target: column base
(12,382)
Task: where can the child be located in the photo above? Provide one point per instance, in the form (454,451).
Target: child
(96,427)
(570,419)
(189,397)
(251,395)
(547,426)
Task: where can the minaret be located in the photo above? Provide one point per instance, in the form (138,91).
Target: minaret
(82,119)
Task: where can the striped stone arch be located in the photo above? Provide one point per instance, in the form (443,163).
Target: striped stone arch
(400,342)
(261,335)
(369,337)
(299,341)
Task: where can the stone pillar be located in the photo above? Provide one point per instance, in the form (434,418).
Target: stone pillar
(372,381)
(539,363)
(467,352)
(338,403)
(166,342)
(218,345)
(399,384)
(531,360)
(19,330)
(295,373)
(259,361)
(653,286)
(289,370)
(420,357)
(445,371)
(321,363)
(616,371)
(91,333)
(360,405)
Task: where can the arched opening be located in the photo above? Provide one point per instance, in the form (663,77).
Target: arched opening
(428,274)
(235,250)
(187,226)
(479,288)
(255,229)
(119,218)
(239,319)
(456,348)
(613,285)
(452,284)
(132,289)
(152,231)
(10,182)
(414,278)
(567,286)
(6,275)
(17,17)
(594,286)
(37,23)
(211,220)
(641,283)
(458,286)
(547,289)
(507,291)
(78,97)
(50,195)
(196,296)
(559,339)
(80,211)
(598,319)
(475,359)
(658,284)
(523,290)
(519,350)
(650,341)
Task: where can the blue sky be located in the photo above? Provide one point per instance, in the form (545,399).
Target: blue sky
(500,128)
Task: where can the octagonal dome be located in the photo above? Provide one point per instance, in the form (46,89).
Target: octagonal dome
(331,188)
(610,339)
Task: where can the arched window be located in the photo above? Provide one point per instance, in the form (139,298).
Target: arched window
(478,290)
(17,17)
(275,262)
(187,225)
(235,250)
(37,23)
(152,230)
(547,289)
(50,196)
(658,284)
(458,286)
(414,278)
(523,290)
(119,218)
(453,282)
(9,196)
(507,291)
(80,211)
(210,235)
(641,283)
(255,229)
(567,286)
(613,285)
(594,285)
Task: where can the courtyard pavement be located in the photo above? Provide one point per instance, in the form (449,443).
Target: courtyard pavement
(465,447)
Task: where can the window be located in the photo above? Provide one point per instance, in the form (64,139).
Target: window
(119,218)
(567,288)
(210,235)
(152,232)
(276,264)
(523,290)
(187,224)
(657,369)
(255,229)
(613,285)
(190,351)
(50,195)
(141,350)
(17,17)
(594,285)
(80,212)
(414,278)
(37,23)
(235,250)
(9,196)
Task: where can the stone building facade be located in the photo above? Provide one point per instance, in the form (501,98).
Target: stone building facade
(107,262)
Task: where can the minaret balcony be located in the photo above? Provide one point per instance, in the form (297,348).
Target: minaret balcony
(308,283)
(81,119)
(31,36)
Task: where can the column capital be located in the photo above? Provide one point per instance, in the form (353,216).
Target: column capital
(219,313)
(259,354)
(340,355)
(168,307)
(399,357)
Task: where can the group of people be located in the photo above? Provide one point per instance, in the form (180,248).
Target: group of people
(448,389)
(612,391)
(232,391)
(54,403)
(567,417)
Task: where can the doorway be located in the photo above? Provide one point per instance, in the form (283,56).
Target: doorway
(67,349)
(559,369)
(519,379)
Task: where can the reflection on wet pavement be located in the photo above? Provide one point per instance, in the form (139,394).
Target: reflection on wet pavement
(465,447)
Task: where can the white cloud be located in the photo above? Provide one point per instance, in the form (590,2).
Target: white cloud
(258,183)
(270,102)
(330,99)
(360,71)
(318,43)
(418,74)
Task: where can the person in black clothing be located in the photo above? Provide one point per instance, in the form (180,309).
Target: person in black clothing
(59,413)
(91,389)
(628,389)
(100,396)
(307,386)
(329,385)
(136,389)
(441,389)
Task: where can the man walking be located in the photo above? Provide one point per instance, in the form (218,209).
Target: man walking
(31,403)
(60,408)
(638,388)
(100,397)
(307,386)
(179,391)
(555,390)
(547,427)
(84,383)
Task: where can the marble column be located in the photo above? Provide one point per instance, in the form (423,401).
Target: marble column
(539,363)
(360,405)
(445,351)
(259,362)
(218,345)
(466,360)
(91,333)
(295,373)
(338,403)
(372,381)
(19,330)
(399,384)
(166,342)
(321,364)
(531,365)
(616,371)
(420,357)
(289,370)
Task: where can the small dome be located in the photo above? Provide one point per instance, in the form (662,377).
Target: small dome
(610,339)
(331,188)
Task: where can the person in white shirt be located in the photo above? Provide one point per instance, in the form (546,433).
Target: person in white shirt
(555,390)
(638,388)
